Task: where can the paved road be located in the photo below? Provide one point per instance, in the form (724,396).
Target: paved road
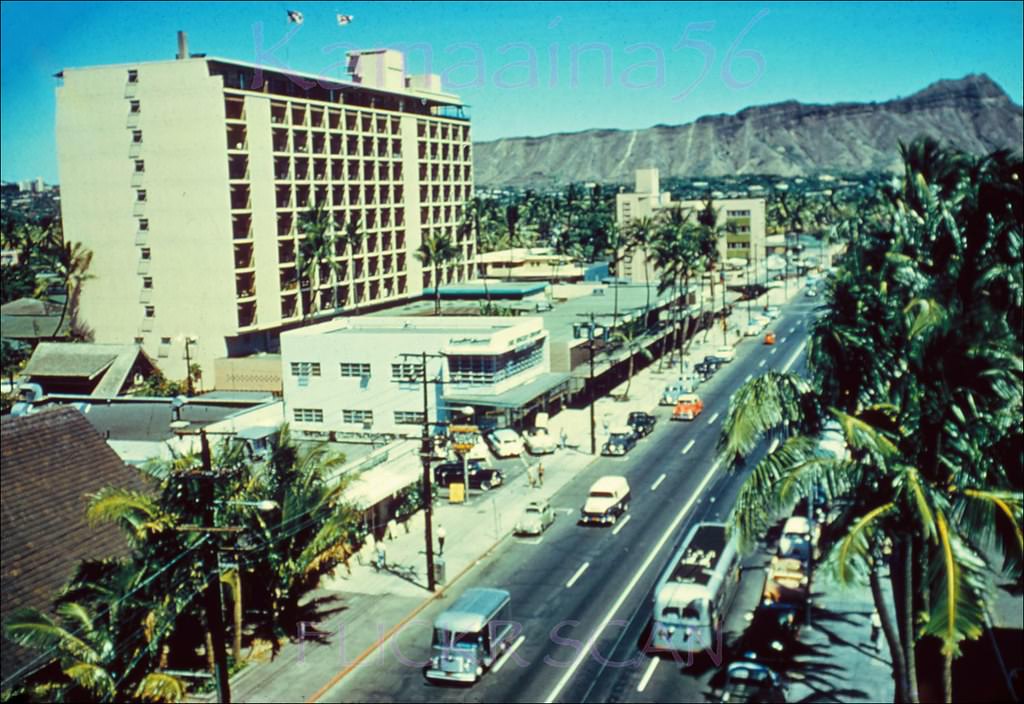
(582,594)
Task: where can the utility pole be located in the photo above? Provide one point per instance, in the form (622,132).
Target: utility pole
(188,368)
(211,596)
(426,490)
(590,385)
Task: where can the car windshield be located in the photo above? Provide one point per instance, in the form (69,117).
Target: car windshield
(749,673)
(602,495)
(619,437)
(532,509)
(452,639)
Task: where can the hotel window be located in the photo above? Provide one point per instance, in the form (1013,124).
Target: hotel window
(144,253)
(140,195)
(137,136)
(407,372)
(308,415)
(140,166)
(150,311)
(305,368)
(355,369)
(147,282)
(133,76)
(408,417)
(164,350)
(364,417)
(136,107)
(144,224)
(140,340)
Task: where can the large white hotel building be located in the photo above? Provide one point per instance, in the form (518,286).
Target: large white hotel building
(187,179)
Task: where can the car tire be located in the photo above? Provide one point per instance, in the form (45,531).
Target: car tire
(485,486)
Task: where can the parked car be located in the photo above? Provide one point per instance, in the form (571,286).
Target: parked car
(726,353)
(480,476)
(753,329)
(750,681)
(799,538)
(704,369)
(479,451)
(811,292)
(772,312)
(608,499)
(642,424)
(535,519)
(715,360)
(620,441)
(505,442)
(787,581)
(540,440)
(688,408)
(673,390)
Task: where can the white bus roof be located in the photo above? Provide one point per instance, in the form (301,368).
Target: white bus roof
(472,611)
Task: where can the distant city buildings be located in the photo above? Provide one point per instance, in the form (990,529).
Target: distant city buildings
(742,221)
(187,179)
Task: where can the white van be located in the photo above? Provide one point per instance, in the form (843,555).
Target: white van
(608,499)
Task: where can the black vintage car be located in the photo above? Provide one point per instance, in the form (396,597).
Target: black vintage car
(704,370)
(715,361)
(480,477)
(641,423)
(620,441)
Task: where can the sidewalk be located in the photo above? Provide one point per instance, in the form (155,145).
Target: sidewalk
(361,609)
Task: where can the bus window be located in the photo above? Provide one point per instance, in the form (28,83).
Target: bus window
(695,610)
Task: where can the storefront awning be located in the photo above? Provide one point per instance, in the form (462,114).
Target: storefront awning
(518,397)
(383,481)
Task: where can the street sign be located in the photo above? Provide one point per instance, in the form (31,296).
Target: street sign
(456,493)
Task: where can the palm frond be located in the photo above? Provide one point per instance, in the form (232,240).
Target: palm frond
(771,402)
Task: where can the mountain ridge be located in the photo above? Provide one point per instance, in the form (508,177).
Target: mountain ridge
(788,138)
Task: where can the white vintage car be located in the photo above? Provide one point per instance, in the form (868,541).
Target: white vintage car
(535,519)
(540,440)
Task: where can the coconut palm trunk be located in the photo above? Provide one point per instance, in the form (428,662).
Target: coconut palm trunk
(892,637)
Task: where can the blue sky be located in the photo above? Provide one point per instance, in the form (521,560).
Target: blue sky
(529,68)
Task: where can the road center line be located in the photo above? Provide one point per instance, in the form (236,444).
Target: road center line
(761,363)
(586,651)
(579,573)
(622,523)
(648,674)
(783,340)
(657,483)
(508,653)
(792,330)
(749,377)
(772,351)
(794,357)
(712,419)
(687,448)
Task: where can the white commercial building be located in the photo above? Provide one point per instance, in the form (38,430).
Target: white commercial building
(365,375)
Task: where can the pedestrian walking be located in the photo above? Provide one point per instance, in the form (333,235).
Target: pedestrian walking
(531,476)
(540,473)
(563,438)
(876,630)
(382,556)
(440,539)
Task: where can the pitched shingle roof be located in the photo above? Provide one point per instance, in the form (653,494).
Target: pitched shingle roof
(51,462)
(109,365)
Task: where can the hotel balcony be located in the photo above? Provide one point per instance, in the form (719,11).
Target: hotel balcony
(240,197)
(236,138)
(241,226)
(246,314)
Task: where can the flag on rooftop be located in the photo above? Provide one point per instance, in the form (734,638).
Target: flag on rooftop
(344,20)
(295,16)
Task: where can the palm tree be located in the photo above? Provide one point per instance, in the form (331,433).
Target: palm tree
(710,234)
(349,239)
(94,665)
(437,251)
(511,222)
(629,339)
(928,400)
(72,263)
(640,234)
(316,253)
(677,256)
